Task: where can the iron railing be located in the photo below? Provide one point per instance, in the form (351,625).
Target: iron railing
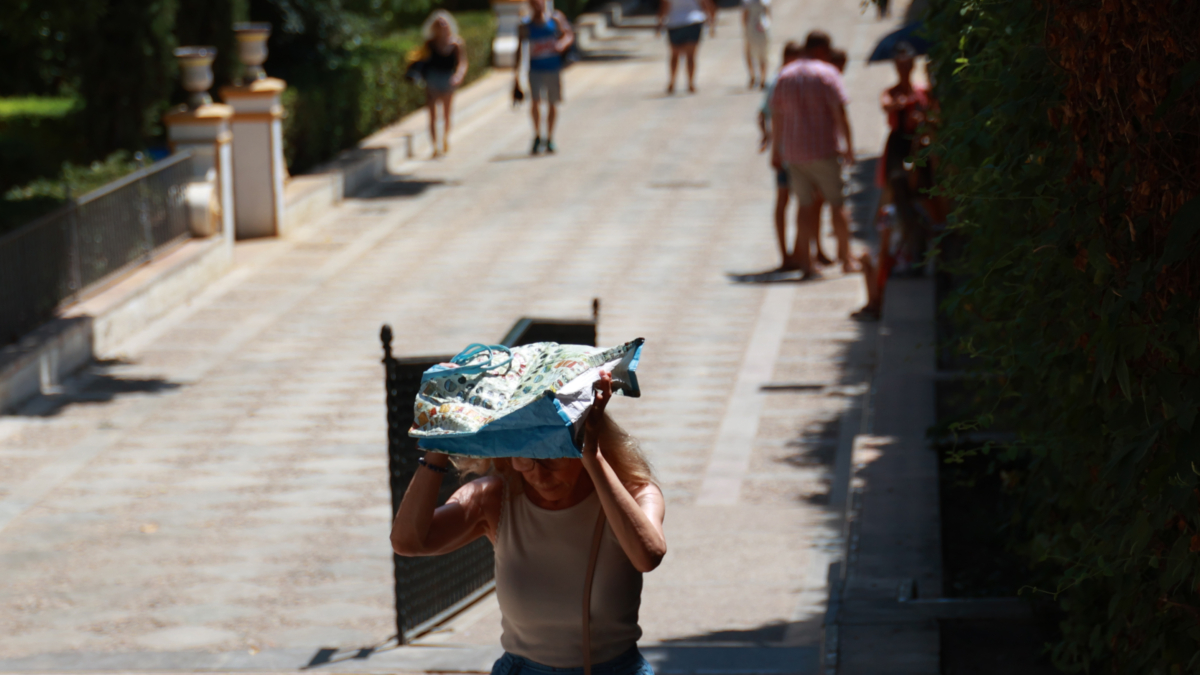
(431,589)
(54,259)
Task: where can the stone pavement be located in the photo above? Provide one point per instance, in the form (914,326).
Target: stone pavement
(214,496)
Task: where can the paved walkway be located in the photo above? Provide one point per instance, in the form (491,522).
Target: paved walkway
(216,493)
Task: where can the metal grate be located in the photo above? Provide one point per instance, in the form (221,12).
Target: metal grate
(426,587)
(57,257)
(429,589)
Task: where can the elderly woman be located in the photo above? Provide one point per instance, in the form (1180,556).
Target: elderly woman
(545,518)
(446,66)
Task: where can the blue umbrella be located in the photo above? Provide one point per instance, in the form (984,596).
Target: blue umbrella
(886,49)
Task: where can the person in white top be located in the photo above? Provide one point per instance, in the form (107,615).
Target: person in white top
(544,517)
(684,21)
(756,27)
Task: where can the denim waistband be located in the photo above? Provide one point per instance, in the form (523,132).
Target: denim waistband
(628,663)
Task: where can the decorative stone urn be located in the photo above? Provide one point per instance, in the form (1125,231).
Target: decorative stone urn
(195,64)
(508,18)
(252,48)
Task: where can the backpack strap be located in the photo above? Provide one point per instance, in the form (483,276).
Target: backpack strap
(587,593)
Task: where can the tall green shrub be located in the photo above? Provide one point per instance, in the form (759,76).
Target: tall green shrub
(127,72)
(1069,146)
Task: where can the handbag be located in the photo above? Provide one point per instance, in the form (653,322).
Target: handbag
(418,64)
(527,401)
(517,95)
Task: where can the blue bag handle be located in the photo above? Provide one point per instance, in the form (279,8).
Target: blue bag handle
(475,349)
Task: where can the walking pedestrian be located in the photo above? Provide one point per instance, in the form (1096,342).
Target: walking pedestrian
(684,21)
(553,523)
(808,119)
(445,68)
(549,36)
(756,29)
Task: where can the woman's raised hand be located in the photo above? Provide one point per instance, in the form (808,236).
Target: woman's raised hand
(603,388)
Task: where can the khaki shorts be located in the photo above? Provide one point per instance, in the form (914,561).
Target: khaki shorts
(806,179)
(545,85)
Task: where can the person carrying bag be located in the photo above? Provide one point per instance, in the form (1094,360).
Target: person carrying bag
(573,535)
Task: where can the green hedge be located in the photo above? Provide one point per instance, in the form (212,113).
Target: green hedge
(330,110)
(22,204)
(1069,146)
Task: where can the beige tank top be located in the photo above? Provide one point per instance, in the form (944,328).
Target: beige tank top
(541,561)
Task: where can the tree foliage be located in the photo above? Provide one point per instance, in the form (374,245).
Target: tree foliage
(1070,146)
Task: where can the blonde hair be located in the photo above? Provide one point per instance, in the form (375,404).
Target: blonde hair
(427,27)
(621,451)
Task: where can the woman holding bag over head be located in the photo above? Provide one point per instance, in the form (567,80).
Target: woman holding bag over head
(567,533)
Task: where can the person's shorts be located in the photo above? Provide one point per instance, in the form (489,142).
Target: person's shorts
(781,179)
(685,35)
(437,82)
(757,43)
(545,85)
(806,179)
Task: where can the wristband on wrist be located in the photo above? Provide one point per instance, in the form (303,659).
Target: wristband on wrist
(432,467)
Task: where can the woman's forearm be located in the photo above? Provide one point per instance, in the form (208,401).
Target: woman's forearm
(640,538)
(410,530)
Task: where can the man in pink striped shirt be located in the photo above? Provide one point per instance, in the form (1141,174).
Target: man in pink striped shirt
(808,118)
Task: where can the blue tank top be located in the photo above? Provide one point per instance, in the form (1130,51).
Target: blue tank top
(542,39)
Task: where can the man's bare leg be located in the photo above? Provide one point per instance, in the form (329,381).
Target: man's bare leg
(551,115)
(536,111)
(841,230)
(806,221)
(821,258)
(781,202)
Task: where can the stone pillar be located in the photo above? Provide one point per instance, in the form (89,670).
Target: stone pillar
(205,131)
(504,45)
(258,156)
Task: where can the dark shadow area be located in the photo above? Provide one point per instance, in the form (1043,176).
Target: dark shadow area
(996,646)
(774,277)
(391,186)
(93,385)
(761,649)
(816,446)
(916,11)
(519,156)
(323,656)
(606,57)
(764,635)
(977,561)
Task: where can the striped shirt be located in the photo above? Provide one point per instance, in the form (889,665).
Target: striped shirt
(802,110)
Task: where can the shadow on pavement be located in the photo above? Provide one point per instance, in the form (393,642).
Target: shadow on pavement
(391,186)
(778,648)
(94,385)
(517,156)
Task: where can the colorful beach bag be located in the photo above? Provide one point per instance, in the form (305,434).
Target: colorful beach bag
(527,401)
